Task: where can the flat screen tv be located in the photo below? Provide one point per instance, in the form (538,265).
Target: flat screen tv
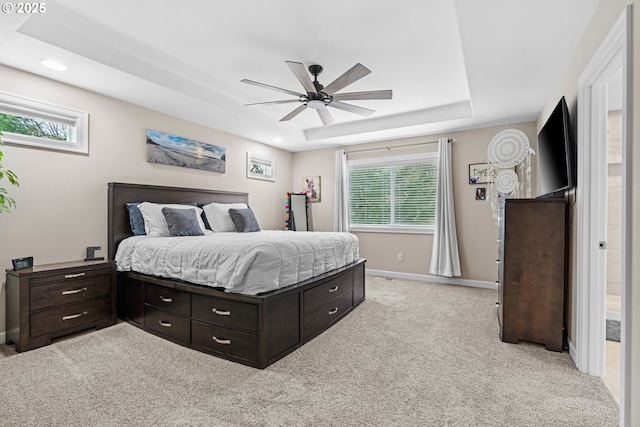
(556,153)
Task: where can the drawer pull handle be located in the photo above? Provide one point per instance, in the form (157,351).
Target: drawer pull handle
(219,341)
(333,311)
(165,324)
(335,288)
(221,313)
(74,291)
(73,276)
(74,316)
(163,299)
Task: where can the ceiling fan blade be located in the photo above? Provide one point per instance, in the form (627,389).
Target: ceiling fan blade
(325,116)
(279,89)
(288,101)
(352,108)
(294,113)
(356,72)
(372,94)
(302,75)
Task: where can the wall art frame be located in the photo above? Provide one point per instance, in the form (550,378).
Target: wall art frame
(261,167)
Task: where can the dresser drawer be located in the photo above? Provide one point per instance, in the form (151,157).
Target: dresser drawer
(69,291)
(168,324)
(320,295)
(61,318)
(168,299)
(232,314)
(324,316)
(224,340)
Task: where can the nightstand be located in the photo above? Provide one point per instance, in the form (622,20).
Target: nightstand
(52,300)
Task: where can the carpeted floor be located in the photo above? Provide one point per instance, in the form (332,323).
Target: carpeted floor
(413,354)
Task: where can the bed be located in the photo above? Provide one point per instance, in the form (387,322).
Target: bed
(243,325)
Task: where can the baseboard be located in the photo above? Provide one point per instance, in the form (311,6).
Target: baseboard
(432,279)
(572,351)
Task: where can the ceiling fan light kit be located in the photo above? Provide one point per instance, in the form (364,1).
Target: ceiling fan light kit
(317,96)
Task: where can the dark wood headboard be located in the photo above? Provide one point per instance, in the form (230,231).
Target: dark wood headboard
(120,194)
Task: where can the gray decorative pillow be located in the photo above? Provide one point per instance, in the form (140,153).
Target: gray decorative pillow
(244,220)
(135,219)
(182,222)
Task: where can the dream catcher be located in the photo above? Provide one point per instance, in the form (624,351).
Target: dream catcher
(508,155)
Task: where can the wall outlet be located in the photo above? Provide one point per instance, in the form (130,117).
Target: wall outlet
(400,256)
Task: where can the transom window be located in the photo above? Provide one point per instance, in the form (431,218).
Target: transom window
(393,194)
(30,122)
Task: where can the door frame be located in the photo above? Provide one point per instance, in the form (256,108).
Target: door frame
(613,54)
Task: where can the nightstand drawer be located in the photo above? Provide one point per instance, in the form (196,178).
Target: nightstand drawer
(69,291)
(226,313)
(167,324)
(320,295)
(58,319)
(223,340)
(168,299)
(79,273)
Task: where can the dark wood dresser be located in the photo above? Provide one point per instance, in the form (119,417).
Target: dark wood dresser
(532,271)
(49,301)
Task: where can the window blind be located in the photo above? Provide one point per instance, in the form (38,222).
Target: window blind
(397,194)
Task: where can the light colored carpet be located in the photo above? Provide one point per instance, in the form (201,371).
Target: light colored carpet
(413,354)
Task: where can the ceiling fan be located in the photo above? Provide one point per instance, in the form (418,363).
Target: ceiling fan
(318,97)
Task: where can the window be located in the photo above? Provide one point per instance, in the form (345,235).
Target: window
(393,194)
(29,122)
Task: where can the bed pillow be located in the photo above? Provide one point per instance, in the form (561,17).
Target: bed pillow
(135,219)
(218,215)
(154,221)
(244,220)
(182,222)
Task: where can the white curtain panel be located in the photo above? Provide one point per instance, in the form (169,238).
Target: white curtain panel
(341,205)
(445,260)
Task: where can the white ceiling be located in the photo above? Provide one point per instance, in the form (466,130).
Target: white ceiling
(452,64)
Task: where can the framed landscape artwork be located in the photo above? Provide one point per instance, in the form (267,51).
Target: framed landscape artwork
(178,151)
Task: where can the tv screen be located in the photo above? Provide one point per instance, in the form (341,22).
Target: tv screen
(556,153)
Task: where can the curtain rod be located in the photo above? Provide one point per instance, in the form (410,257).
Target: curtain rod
(395,146)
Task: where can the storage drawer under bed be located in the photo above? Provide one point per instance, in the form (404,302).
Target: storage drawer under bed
(224,340)
(323,317)
(169,324)
(168,299)
(233,314)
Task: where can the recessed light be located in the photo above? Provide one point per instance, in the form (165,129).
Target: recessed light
(277,140)
(54,65)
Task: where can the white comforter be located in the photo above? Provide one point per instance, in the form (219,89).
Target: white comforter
(246,263)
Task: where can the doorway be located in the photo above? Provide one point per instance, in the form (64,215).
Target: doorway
(591,203)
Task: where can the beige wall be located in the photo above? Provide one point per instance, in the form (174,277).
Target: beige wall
(474,219)
(605,16)
(62,198)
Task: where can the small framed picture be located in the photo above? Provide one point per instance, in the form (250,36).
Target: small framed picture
(261,167)
(311,186)
(481,193)
(483,173)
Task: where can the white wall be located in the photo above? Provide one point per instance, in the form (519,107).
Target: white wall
(62,198)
